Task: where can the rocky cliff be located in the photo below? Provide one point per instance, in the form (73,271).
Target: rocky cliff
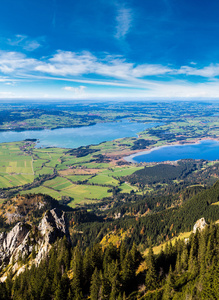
(200,225)
(27,244)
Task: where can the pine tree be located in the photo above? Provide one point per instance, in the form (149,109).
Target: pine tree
(56,280)
(70,294)
(115,288)
(65,285)
(151,276)
(184,257)
(76,264)
(105,287)
(95,285)
(169,286)
(210,249)
(120,296)
(122,251)
(136,256)
(193,261)
(111,269)
(45,294)
(96,256)
(87,269)
(202,252)
(59,293)
(127,272)
(210,289)
(178,263)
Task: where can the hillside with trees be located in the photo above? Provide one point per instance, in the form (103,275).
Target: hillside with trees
(105,258)
(186,269)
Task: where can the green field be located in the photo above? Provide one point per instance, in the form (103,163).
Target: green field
(16,167)
(58,183)
(81,193)
(76,178)
(103,179)
(15,180)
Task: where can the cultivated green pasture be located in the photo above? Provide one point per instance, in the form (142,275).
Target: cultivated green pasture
(20,163)
(81,193)
(43,190)
(76,178)
(43,170)
(58,183)
(103,179)
(15,180)
(16,167)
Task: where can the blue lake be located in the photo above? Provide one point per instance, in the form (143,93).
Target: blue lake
(80,136)
(208,150)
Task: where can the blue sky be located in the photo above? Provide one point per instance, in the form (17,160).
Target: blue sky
(67,49)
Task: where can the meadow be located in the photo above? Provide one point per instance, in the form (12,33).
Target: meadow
(16,167)
(80,178)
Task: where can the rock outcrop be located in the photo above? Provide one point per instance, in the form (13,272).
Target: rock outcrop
(200,225)
(24,240)
(52,226)
(10,242)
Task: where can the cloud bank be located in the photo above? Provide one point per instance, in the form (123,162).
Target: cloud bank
(124,77)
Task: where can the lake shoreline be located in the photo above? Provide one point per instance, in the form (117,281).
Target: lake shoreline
(129,158)
(72,138)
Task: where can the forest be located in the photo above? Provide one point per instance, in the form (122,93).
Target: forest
(186,269)
(107,261)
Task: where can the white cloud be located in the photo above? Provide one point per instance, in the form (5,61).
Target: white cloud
(124,20)
(77,90)
(113,71)
(14,61)
(150,70)
(71,64)
(209,71)
(68,63)
(65,63)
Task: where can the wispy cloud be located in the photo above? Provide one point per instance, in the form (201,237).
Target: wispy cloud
(25,42)
(150,70)
(32,45)
(17,40)
(99,82)
(209,71)
(124,20)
